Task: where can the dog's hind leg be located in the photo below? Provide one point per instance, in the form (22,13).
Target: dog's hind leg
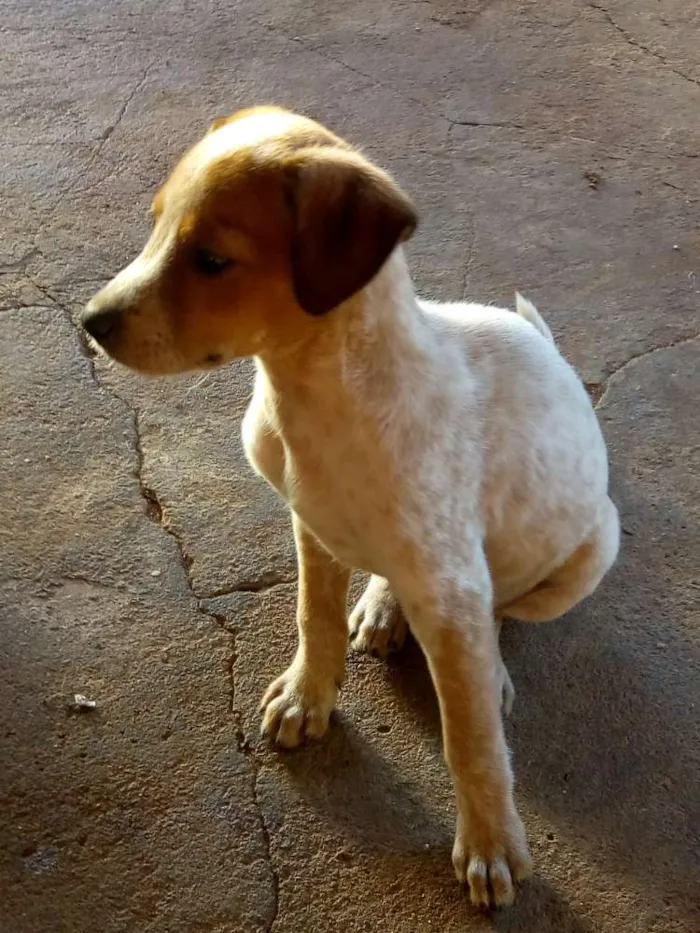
(507,688)
(575,579)
(378,626)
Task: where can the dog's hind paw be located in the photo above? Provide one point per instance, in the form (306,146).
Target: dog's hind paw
(377,625)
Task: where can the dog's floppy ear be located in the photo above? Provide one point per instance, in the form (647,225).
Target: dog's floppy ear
(348,217)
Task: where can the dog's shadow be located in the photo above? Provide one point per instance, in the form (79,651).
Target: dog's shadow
(381,813)
(602,744)
(379,810)
(603,736)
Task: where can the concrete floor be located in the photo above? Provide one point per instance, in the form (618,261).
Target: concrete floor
(553,148)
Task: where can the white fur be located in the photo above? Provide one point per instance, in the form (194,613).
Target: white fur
(450,450)
(479,422)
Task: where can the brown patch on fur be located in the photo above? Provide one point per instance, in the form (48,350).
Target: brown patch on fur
(302,221)
(349,217)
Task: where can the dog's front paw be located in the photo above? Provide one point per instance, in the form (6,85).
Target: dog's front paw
(377,625)
(298,705)
(491,856)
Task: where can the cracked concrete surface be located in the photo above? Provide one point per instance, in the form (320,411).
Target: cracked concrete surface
(637,44)
(144,567)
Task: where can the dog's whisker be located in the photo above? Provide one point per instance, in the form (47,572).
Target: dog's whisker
(198,383)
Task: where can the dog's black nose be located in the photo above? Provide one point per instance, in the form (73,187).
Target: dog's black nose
(101,324)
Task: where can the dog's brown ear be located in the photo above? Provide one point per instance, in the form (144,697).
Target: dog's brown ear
(348,218)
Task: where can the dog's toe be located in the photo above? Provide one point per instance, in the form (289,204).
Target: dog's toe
(493,862)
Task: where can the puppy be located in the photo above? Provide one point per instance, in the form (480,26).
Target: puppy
(447,449)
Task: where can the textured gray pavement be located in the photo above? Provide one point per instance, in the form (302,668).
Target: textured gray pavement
(553,148)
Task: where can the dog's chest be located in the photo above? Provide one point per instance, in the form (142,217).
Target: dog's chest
(333,493)
(332,482)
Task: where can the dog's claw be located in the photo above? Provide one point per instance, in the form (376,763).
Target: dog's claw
(492,869)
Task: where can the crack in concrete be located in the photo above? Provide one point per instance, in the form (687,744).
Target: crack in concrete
(507,124)
(268,846)
(157,513)
(20,265)
(107,133)
(635,43)
(244,747)
(465,18)
(469,262)
(612,377)
(387,87)
(268,581)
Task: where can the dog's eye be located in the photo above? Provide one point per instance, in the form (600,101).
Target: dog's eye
(209,263)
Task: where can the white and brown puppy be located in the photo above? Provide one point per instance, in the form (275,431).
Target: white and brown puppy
(448,449)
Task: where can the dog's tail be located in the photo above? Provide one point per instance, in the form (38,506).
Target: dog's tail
(527,310)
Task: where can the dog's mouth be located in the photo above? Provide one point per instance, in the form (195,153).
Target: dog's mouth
(109,335)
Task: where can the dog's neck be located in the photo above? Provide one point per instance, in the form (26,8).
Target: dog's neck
(370,344)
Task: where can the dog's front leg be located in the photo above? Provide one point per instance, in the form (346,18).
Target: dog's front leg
(454,624)
(298,704)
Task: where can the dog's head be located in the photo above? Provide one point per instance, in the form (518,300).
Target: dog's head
(269,222)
